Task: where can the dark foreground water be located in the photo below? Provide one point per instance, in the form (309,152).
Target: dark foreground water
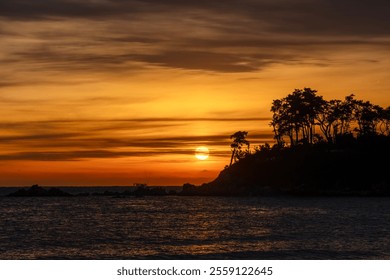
(194,228)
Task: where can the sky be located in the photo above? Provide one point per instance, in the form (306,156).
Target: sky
(115,92)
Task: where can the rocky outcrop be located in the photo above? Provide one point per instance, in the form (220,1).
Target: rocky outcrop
(36,190)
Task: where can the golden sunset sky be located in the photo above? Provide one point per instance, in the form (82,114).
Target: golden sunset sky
(114,92)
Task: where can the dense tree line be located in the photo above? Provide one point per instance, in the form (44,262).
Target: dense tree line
(303,118)
(306,117)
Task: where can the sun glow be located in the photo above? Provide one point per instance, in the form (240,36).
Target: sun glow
(202,153)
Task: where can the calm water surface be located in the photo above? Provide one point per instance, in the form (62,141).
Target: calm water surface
(194,228)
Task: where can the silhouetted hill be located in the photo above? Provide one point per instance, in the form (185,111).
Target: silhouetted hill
(359,167)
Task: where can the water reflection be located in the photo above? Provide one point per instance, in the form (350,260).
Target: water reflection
(194,227)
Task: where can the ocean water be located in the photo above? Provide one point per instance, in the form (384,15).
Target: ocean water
(194,228)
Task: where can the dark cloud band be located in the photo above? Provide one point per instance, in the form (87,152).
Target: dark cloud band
(77,140)
(218,36)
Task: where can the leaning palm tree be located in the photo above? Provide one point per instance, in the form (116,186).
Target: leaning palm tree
(239,140)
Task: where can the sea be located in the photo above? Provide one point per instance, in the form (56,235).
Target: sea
(179,227)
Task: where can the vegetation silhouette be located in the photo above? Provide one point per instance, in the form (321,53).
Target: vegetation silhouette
(239,140)
(297,115)
(336,147)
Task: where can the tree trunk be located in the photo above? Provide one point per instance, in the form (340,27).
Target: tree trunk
(291,139)
(311,135)
(231,159)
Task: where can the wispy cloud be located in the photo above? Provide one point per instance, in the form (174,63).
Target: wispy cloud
(71,140)
(294,16)
(82,154)
(223,37)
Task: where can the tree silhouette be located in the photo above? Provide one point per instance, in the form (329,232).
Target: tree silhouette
(384,126)
(297,115)
(368,116)
(239,140)
(335,117)
(327,118)
(280,122)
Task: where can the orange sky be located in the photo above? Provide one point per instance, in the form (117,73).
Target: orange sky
(118,92)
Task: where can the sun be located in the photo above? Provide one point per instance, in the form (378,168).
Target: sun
(202,153)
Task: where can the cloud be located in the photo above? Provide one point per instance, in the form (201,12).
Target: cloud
(76,140)
(366,17)
(82,154)
(104,36)
(12,84)
(202,60)
(47,9)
